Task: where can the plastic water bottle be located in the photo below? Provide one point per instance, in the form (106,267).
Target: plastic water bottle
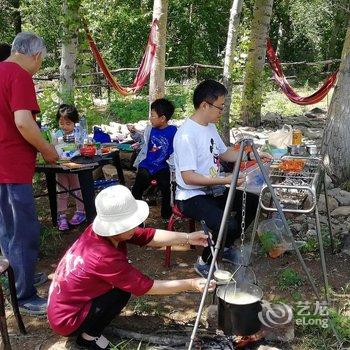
(78,135)
(84,126)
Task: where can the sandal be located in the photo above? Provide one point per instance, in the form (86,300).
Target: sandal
(62,222)
(78,218)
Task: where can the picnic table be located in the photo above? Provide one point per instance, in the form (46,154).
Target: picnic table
(86,180)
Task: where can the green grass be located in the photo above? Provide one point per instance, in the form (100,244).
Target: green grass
(50,239)
(289,278)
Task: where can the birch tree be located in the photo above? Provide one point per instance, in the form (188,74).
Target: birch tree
(69,49)
(157,78)
(253,81)
(336,138)
(235,15)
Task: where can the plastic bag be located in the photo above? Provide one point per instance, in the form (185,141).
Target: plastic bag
(274,237)
(254,178)
(101,136)
(281,138)
(271,235)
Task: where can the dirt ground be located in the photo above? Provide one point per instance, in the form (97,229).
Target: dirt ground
(171,314)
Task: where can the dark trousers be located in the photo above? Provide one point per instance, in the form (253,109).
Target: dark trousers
(142,182)
(211,209)
(103,310)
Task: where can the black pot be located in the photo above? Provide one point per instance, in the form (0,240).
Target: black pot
(239,317)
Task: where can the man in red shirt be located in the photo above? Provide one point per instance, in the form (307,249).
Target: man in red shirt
(20,138)
(94,280)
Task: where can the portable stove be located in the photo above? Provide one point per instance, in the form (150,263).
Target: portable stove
(295,190)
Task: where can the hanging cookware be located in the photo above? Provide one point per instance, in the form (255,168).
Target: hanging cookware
(238,309)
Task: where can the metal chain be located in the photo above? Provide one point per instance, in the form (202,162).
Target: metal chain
(244,202)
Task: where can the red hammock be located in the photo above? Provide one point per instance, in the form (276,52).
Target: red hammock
(143,71)
(288,90)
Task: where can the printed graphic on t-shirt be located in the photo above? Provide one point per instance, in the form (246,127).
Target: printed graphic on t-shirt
(159,148)
(214,170)
(67,265)
(155,147)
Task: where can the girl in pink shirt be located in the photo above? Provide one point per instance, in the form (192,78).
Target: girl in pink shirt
(67,117)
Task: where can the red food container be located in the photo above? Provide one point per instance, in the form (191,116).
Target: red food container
(88,151)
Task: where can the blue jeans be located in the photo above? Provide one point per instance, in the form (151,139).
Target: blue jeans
(19,235)
(211,209)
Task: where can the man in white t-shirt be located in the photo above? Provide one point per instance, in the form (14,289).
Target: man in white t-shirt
(201,193)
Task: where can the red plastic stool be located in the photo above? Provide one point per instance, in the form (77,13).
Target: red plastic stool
(176,216)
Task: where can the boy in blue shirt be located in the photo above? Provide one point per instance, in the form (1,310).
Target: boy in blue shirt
(156,150)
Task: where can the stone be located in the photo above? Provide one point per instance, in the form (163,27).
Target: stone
(346,245)
(109,172)
(332,203)
(316,112)
(272,119)
(278,322)
(210,316)
(300,218)
(343,197)
(183,265)
(341,211)
(313,133)
(311,232)
(296,227)
(329,183)
(334,192)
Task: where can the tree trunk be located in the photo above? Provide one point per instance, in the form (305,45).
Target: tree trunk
(235,15)
(336,140)
(190,41)
(16,19)
(253,81)
(157,79)
(69,50)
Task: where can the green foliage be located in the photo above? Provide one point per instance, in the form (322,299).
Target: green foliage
(49,102)
(129,110)
(310,246)
(132,109)
(268,240)
(289,278)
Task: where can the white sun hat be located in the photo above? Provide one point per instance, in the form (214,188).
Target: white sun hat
(118,211)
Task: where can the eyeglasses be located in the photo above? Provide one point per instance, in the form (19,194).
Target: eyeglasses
(220,108)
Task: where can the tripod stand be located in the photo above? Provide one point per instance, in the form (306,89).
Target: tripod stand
(222,235)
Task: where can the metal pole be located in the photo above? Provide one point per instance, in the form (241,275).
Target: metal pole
(223,224)
(323,259)
(328,213)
